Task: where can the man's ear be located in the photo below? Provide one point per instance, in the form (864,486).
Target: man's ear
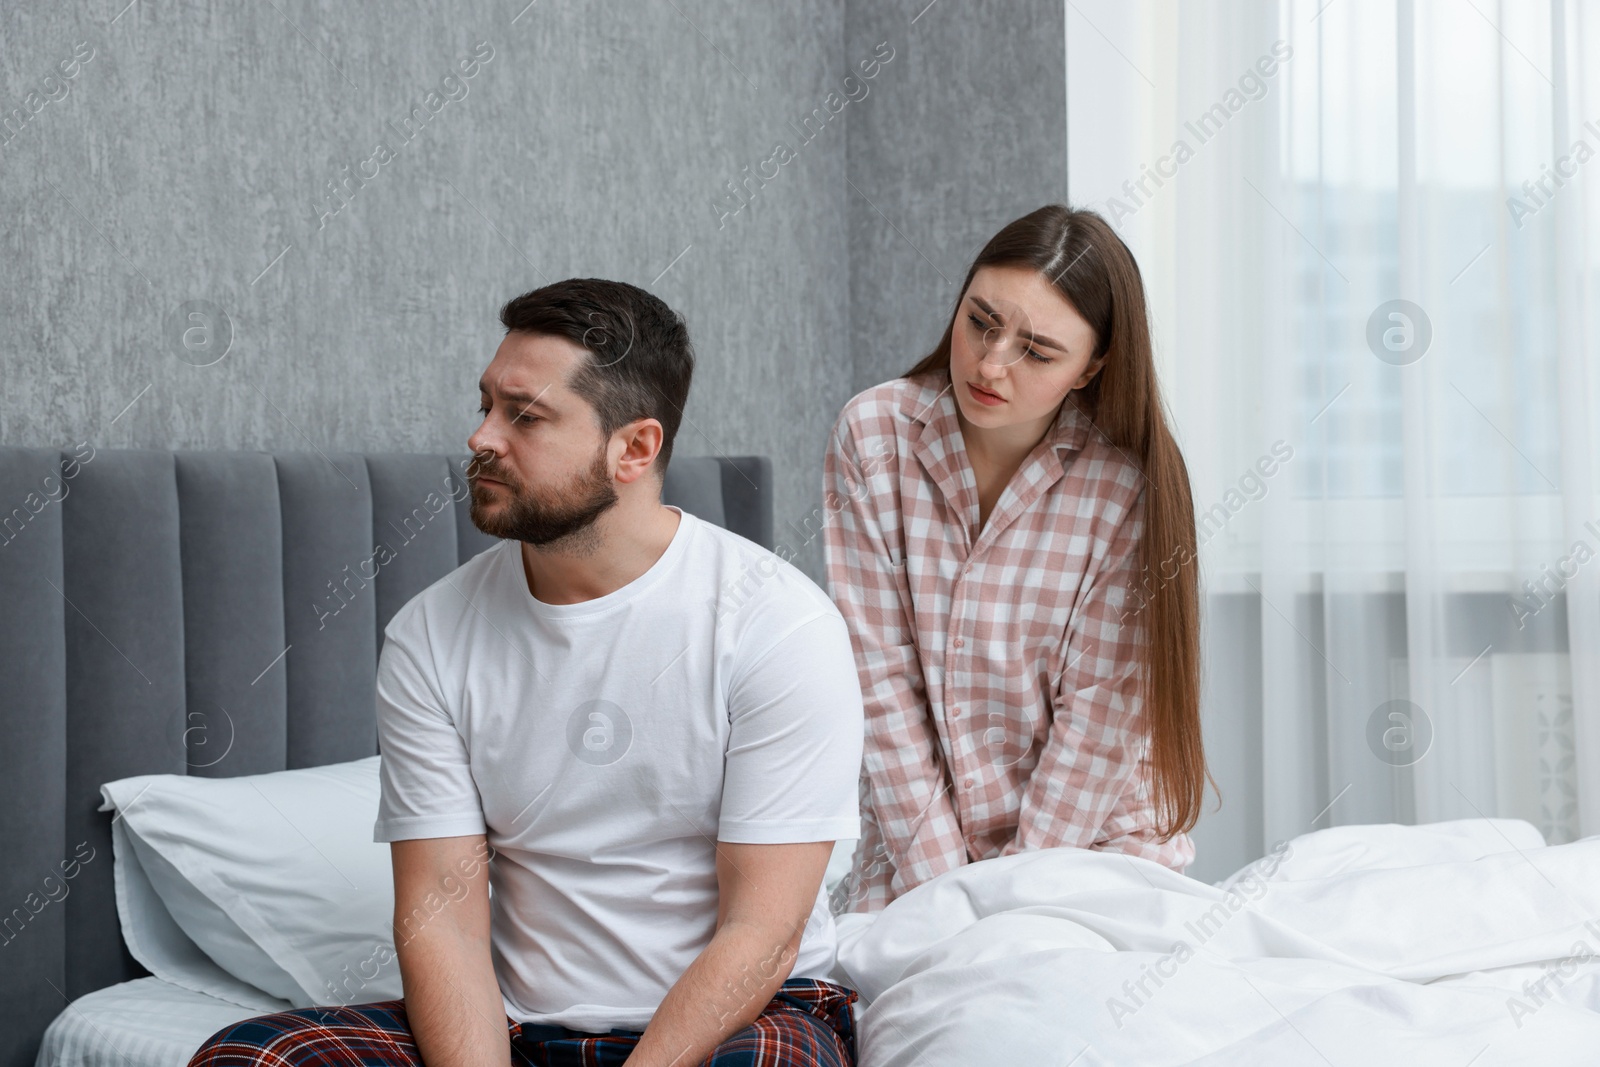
(643,442)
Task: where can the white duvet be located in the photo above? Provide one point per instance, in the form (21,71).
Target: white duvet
(1459,943)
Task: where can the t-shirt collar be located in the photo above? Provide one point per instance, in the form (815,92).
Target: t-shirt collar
(617,597)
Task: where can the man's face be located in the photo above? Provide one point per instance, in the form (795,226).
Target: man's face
(542,470)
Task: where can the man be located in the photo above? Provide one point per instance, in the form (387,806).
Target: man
(650,726)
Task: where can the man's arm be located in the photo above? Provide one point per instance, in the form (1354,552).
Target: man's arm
(765,896)
(441,935)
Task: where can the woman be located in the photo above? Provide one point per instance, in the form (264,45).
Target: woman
(1011,540)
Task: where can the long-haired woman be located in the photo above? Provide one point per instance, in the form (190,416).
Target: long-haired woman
(1010,537)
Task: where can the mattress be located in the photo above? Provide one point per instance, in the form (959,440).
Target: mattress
(143,1023)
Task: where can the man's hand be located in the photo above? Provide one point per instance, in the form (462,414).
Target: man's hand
(441,935)
(765,896)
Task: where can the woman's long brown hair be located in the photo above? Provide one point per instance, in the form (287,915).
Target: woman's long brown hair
(1094,271)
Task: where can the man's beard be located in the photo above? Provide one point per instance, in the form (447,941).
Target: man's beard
(539,521)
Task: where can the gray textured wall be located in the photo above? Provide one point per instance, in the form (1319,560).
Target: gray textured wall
(189,159)
(197,145)
(969,133)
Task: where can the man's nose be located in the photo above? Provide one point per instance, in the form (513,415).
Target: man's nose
(484,445)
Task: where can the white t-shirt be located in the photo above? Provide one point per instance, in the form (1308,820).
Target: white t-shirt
(605,746)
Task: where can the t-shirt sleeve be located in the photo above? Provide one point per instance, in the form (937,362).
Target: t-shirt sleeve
(425,775)
(794,746)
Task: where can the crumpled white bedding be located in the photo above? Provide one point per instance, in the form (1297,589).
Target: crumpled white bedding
(1457,943)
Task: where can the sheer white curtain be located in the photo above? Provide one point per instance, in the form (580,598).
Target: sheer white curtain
(1371,236)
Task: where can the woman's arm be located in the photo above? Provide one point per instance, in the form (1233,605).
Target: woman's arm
(1131,828)
(1086,790)
(905,783)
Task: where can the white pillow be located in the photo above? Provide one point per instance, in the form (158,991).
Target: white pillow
(158,942)
(275,877)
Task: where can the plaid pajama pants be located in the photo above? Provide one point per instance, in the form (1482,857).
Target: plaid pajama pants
(808,1023)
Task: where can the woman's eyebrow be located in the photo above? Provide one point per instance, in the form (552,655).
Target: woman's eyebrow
(1043,342)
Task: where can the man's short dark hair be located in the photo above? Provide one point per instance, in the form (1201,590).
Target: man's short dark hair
(640,360)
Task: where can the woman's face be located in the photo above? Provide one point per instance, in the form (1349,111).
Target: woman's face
(1017,338)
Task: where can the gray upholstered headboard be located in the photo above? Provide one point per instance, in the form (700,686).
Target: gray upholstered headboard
(208,613)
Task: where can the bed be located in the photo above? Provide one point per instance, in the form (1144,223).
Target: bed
(159,736)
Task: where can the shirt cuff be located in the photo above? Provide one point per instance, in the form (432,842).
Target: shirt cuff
(788,831)
(406,828)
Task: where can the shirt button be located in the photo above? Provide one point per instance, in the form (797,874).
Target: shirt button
(967,783)
(955,712)
(959,642)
